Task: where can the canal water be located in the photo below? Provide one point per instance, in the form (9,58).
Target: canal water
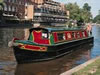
(9,66)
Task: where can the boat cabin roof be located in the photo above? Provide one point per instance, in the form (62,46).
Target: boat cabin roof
(56,29)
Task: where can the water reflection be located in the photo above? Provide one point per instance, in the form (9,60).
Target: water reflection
(96,49)
(7,60)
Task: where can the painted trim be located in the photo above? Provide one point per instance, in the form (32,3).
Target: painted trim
(32,47)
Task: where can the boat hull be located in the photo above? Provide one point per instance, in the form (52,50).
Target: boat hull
(27,56)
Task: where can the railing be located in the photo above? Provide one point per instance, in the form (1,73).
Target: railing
(53,3)
(49,19)
(51,11)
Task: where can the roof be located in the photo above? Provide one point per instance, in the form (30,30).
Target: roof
(57,29)
(64,29)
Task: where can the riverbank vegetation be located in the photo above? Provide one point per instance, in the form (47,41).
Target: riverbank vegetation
(97,18)
(79,14)
(91,69)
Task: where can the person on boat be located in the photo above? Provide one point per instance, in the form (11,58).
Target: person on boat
(89,29)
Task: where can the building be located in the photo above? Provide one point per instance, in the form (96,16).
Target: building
(49,12)
(29,12)
(43,12)
(1,9)
(15,7)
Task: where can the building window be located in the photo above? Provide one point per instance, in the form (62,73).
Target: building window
(23,2)
(5,7)
(9,8)
(8,0)
(19,2)
(13,9)
(73,35)
(16,9)
(37,10)
(78,35)
(83,34)
(12,1)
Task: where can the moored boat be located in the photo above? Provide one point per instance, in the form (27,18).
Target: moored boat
(49,43)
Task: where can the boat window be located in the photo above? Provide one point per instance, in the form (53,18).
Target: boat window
(44,34)
(78,35)
(73,35)
(61,36)
(83,34)
(69,35)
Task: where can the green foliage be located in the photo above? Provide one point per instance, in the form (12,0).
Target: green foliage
(74,10)
(77,13)
(91,69)
(99,12)
(86,7)
(97,19)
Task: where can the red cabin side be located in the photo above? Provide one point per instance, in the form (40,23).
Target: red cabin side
(86,34)
(37,35)
(81,35)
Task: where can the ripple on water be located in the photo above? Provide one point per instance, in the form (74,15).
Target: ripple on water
(7,68)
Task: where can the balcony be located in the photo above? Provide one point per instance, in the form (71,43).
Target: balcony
(52,3)
(49,19)
(49,12)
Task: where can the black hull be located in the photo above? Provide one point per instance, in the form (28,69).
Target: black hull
(26,56)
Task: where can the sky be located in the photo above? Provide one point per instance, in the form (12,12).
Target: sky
(95,4)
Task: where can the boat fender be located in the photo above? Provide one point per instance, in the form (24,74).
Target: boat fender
(11,44)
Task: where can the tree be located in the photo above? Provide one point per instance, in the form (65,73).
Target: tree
(97,18)
(87,16)
(74,10)
(86,7)
(99,12)
(80,14)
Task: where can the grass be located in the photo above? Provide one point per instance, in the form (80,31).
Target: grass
(91,69)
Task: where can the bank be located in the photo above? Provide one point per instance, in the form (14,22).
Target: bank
(90,67)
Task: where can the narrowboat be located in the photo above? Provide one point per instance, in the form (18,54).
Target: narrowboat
(49,43)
